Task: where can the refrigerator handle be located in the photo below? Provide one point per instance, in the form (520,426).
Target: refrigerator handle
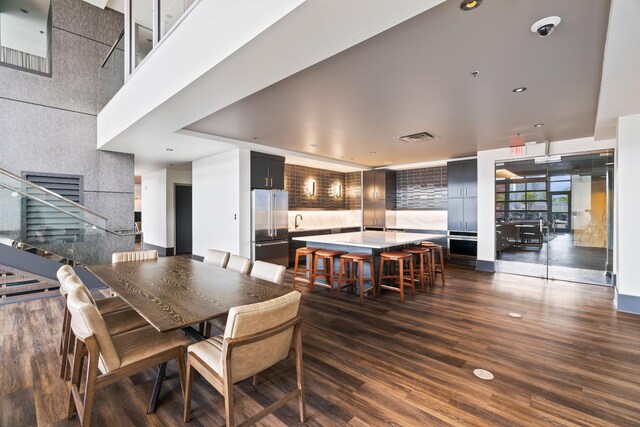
(269,220)
(273,213)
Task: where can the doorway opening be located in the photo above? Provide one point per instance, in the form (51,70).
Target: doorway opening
(554,217)
(183,211)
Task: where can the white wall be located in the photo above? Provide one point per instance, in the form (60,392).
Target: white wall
(627,205)
(174,176)
(486,183)
(221,203)
(154,212)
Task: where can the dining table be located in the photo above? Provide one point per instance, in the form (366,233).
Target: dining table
(176,293)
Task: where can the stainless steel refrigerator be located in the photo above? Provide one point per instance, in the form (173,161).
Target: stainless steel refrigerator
(270,226)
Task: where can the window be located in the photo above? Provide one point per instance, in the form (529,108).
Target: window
(525,199)
(25,35)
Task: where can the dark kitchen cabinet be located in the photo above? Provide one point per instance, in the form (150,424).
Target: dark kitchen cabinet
(379,190)
(267,171)
(462,195)
(462,179)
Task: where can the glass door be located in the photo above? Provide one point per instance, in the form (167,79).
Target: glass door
(554,217)
(522,212)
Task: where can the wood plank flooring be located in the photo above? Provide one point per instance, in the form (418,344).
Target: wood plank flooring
(570,360)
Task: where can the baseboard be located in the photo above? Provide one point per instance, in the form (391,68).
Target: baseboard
(161,251)
(197,257)
(488,266)
(627,303)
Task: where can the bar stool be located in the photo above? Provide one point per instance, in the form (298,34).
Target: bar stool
(348,264)
(400,258)
(305,252)
(423,255)
(327,256)
(438,267)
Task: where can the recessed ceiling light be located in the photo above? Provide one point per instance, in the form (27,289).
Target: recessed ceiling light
(41,32)
(149,40)
(470,4)
(519,89)
(169,149)
(372,152)
(538,125)
(475,73)
(24,10)
(387,163)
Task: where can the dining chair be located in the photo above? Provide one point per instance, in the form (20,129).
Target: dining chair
(134,256)
(257,337)
(238,263)
(268,271)
(105,305)
(112,358)
(117,322)
(217,258)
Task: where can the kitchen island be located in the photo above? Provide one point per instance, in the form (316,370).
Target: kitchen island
(365,241)
(372,242)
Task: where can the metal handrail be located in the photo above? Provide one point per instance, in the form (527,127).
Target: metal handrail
(51,193)
(51,205)
(113,48)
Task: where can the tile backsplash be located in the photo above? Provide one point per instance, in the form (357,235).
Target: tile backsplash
(422,189)
(316,220)
(333,190)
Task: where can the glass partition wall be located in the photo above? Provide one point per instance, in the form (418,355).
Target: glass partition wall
(554,217)
(148,22)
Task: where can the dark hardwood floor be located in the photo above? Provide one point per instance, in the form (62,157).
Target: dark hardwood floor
(570,360)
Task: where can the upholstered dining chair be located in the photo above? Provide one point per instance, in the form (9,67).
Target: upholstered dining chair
(268,271)
(134,256)
(105,305)
(117,322)
(112,358)
(217,258)
(257,336)
(239,263)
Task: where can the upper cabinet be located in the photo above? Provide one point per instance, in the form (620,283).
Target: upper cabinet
(267,171)
(463,178)
(379,190)
(462,195)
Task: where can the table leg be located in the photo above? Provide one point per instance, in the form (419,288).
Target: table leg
(156,388)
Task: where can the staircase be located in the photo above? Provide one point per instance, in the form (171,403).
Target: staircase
(40,230)
(16,286)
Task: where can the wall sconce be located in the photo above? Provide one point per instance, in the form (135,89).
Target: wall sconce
(310,187)
(336,190)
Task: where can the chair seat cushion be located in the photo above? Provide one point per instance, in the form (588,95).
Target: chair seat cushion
(111,304)
(210,352)
(146,342)
(124,321)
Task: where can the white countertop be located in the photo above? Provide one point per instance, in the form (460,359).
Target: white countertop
(369,239)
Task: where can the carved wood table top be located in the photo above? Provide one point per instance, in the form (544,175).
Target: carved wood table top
(175,292)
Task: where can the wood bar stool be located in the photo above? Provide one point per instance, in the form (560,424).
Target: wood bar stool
(423,257)
(327,256)
(348,264)
(400,258)
(438,267)
(305,252)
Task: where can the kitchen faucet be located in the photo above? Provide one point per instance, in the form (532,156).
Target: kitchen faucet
(296,225)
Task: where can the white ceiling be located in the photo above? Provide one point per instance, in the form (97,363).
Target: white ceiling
(24,32)
(417,77)
(620,89)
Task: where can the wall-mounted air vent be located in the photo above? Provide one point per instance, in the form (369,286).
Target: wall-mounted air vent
(417,137)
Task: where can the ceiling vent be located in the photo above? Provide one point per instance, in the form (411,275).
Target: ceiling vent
(417,137)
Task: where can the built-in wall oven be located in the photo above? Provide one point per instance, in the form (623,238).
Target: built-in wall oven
(462,245)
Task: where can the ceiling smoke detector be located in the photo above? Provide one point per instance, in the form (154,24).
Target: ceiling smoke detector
(417,137)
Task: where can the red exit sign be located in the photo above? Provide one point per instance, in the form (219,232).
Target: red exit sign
(520,150)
